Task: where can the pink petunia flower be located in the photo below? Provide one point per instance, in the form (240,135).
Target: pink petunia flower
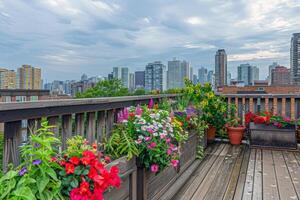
(154,168)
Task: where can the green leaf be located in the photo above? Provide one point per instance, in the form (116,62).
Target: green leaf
(9,175)
(11,185)
(52,174)
(74,183)
(42,183)
(24,193)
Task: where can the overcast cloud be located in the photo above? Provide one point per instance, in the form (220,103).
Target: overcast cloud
(69,37)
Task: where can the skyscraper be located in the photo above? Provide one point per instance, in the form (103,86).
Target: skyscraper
(247,73)
(220,68)
(7,79)
(131,82)
(155,76)
(295,59)
(122,73)
(139,79)
(202,75)
(280,76)
(29,77)
(177,72)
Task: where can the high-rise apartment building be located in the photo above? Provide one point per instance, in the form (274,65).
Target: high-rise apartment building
(8,79)
(177,72)
(29,77)
(139,79)
(155,76)
(220,68)
(122,73)
(247,74)
(280,76)
(295,59)
(202,75)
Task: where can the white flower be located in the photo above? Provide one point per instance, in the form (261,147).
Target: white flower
(155,134)
(141,137)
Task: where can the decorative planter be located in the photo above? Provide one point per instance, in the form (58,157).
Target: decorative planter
(263,135)
(128,173)
(235,134)
(211,133)
(151,186)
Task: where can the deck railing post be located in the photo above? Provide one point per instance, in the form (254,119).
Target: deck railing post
(53,121)
(66,130)
(79,124)
(12,142)
(91,128)
(100,126)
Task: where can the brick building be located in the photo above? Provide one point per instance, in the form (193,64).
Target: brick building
(280,76)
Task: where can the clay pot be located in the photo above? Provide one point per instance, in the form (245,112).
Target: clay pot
(235,134)
(211,133)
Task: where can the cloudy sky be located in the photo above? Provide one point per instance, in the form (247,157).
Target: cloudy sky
(69,37)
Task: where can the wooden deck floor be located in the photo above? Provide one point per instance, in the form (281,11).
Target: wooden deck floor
(237,172)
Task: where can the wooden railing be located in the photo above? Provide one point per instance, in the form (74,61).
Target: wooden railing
(285,104)
(92,118)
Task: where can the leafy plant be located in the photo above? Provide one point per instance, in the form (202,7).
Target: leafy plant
(120,143)
(35,178)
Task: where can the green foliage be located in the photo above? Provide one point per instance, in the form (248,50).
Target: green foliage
(39,180)
(121,143)
(165,104)
(232,120)
(105,88)
(140,91)
(76,145)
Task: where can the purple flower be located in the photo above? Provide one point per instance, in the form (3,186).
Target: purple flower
(180,114)
(191,111)
(23,171)
(36,162)
(37,145)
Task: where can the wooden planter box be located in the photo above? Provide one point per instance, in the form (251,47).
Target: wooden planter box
(128,173)
(262,135)
(151,186)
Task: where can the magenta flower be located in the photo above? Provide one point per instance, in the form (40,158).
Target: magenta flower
(174,163)
(151,104)
(147,139)
(138,110)
(150,130)
(152,145)
(169,151)
(123,115)
(154,168)
(168,140)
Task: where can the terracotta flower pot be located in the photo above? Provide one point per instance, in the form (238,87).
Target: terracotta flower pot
(235,134)
(211,133)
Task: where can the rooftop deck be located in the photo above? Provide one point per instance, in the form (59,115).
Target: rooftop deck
(237,172)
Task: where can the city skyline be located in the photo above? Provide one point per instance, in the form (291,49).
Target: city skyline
(92,37)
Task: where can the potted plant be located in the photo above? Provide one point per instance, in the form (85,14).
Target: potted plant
(267,130)
(234,128)
(235,131)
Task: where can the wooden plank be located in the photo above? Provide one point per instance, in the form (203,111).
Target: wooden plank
(285,185)
(257,185)
(190,187)
(294,170)
(229,194)
(223,175)
(66,129)
(79,124)
(243,175)
(270,187)
(109,122)
(91,127)
(12,141)
(100,126)
(208,180)
(248,188)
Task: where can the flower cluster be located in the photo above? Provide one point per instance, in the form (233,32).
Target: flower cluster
(155,134)
(268,118)
(85,176)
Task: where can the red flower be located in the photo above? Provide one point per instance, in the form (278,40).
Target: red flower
(81,193)
(92,173)
(62,162)
(98,194)
(131,114)
(53,159)
(85,160)
(69,168)
(89,155)
(84,187)
(94,146)
(107,159)
(74,160)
